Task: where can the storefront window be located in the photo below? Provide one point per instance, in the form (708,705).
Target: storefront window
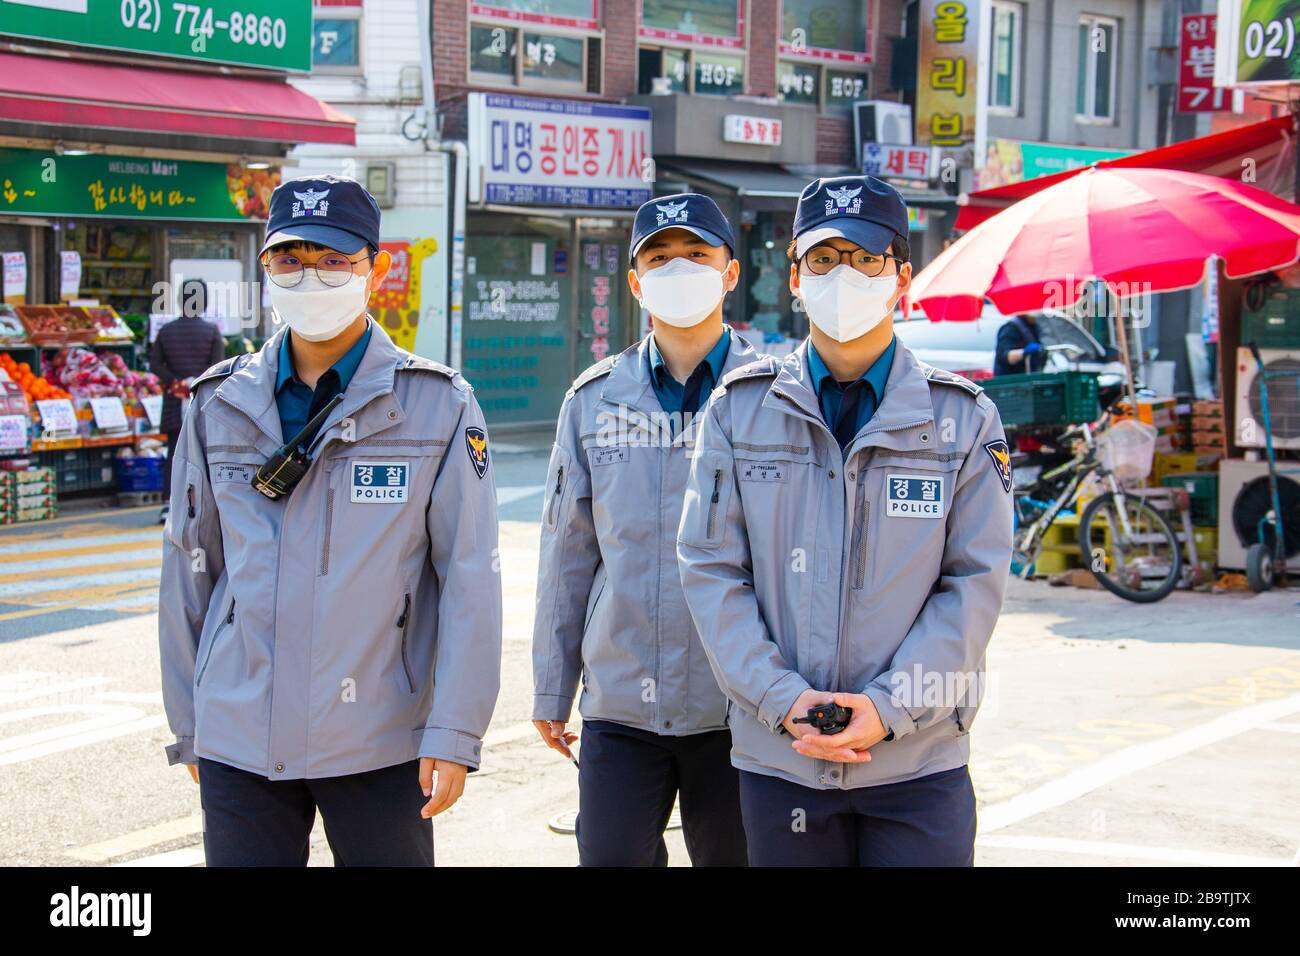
(842,89)
(717,75)
(692,18)
(797,83)
(676,68)
(492,51)
(811,25)
(557,58)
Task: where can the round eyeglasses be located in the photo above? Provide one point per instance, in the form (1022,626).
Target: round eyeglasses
(822,259)
(333,269)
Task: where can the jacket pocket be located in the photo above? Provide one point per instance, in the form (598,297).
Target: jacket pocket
(403,624)
(591,610)
(861,531)
(704,514)
(183,520)
(216,636)
(558,476)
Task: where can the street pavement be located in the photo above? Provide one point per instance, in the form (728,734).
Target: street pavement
(1112,734)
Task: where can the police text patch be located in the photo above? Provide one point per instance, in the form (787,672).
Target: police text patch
(914,496)
(380,482)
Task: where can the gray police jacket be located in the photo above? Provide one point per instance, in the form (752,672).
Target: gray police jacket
(355,624)
(877,571)
(610,609)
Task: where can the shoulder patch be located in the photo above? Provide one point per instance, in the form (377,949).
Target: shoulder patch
(762,368)
(1001,456)
(599,370)
(223,369)
(944,377)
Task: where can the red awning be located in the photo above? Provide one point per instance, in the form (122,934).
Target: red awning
(90,95)
(1219,154)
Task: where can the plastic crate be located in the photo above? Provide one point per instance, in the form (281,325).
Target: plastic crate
(139,474)
(1044,398)
(1276,323)
(1203,492)
(81,469)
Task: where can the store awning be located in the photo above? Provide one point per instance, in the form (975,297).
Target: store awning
(89,95)
(1219,154)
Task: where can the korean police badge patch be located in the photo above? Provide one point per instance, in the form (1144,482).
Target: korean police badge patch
(914,496)
(476,445)
(380,482)
(1001,456)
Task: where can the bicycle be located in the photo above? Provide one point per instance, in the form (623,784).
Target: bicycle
(1126,544)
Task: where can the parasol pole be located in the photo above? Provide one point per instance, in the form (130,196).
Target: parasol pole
(1121,337)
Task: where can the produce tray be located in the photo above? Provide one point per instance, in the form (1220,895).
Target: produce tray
(1044,398)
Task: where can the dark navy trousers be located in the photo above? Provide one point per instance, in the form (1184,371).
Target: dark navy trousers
(371,818)
(627,782)
(929,821)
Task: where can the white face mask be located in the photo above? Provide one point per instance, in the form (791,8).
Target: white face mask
(844,303)
(316,311)
(681,293)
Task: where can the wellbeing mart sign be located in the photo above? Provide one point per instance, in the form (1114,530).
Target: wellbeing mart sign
(268,34)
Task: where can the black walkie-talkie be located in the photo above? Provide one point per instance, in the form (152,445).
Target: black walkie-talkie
(283,470)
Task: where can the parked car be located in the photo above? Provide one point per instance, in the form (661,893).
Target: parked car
(967,347)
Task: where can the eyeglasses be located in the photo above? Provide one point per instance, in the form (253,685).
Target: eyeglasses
(333,269)
(822,259)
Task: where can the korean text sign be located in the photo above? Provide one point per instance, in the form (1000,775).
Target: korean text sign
(946,88)
(560,152)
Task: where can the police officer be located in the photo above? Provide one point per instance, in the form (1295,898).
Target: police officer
(1019,349)
(333,643)
(609,601)
(845,540)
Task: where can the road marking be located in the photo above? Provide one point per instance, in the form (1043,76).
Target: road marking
(139,840)
(32,543)
(44,743)
(56,587)
(30,689)
(61,573)
(1128,851)
(155,547)
(1284,728)
(511,494)
(78,563)
(1122,763)
(186,856)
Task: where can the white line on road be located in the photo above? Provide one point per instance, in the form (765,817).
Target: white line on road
(73,564)
(139,839)
(54,543)
(91,736)
(29,588)
(1127,851)
(31,692)
(185,856)
(1130,760)
(1284,728)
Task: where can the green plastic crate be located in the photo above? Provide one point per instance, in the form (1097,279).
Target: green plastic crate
(1044,398)
(1203,492)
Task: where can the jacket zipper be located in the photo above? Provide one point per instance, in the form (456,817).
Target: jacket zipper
(402,622)
(230,619)
(713,503)
(555,498)
(864,525)
(189,496)
(329,524)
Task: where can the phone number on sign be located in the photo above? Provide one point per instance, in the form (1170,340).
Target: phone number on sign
(195,21)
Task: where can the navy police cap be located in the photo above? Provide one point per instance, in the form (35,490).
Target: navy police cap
(861,209)
(693,212)
(330,211)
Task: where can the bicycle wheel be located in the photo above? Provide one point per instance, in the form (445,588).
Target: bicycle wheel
(1141,564)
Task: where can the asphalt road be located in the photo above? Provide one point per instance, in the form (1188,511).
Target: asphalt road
(1113,733)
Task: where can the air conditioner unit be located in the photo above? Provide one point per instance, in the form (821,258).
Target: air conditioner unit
(882,121)
(1244,499)
(1283,399)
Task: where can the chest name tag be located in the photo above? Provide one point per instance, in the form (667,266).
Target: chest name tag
(608,455)
(380,482)
(242,473)
(754,471)
(914,496)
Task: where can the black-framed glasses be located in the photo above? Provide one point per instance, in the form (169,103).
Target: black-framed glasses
(822,259)
(333,269)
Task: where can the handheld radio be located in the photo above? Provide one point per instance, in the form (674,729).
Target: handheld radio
(282,471)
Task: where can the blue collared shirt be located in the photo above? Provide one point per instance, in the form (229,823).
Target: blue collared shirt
(686,399)
(296,402)
(830,393)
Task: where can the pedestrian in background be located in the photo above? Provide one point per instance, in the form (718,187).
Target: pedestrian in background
(185,348)
(610,610)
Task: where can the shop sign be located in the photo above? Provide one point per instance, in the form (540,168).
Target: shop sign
(269,34)
(110,414)
(756,130)
(1012,161)
(36,182)
(946,90)
(897,161)
(1256,43)
(15,277)
(544,152)
(1196,90)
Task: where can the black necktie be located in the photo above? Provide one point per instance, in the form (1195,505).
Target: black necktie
(846,422)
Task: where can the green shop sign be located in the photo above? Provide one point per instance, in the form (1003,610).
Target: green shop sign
(1266,42)
(37,183)
(271,34)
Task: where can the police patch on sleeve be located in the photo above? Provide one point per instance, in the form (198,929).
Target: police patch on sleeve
(380,482)
(1001,456)
(476,445)
(914,496)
